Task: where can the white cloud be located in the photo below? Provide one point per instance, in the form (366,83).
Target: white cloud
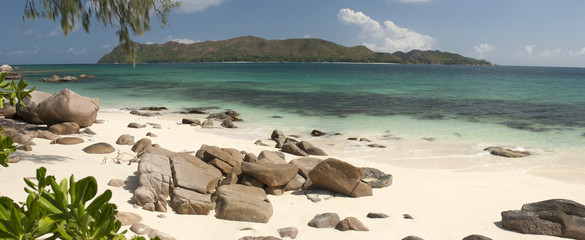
(529,48)
(307,36)
(578,53)
(150,42)
(77,52)
(385,38)
(483,49)
(181,40)
(551,53)
(191,6)
(21,52)
(107,46)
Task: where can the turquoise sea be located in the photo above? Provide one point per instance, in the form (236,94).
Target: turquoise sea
(532,107)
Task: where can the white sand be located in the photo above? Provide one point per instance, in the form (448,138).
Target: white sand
(445,203)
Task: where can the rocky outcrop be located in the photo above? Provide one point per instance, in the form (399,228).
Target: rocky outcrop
(340,177)
(154,179)
(29,111)
(68,106)
(192,173)
(56,78)
(10,73)
(271,174)
(556,217)
(242,203)
(184,201)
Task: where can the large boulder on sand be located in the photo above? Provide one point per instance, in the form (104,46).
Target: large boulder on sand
(184,201)
(555,217)
(271,174)
(340,177)
(68,106)
(29,112)
(242,203)
(191,173)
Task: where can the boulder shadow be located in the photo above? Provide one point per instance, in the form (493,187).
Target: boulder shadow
(41,159)
(131,184)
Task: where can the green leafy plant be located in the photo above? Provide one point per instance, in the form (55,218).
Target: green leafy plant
(60,211)
(12,92)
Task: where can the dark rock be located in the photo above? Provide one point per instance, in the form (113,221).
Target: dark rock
(125,139)
(99,148)
(270,157)
(271,174)
(116,183)
(251,158)
(228,123)
(317,133)
(21,139)
(376,146)
(556,217)
(351,223)
(567,206)
(141,145)
(154,108)
(502,152)
(207,124)
(260,143)
(224,167)
(68,141)
(190,121)
(184,201)
(128,218)
(230,178)
(376,178)
(377,215)
(150,134)
(251,181)
(340,177)
(325,220)
(293,149)
(295,184)
(277,134)
(276,191)
(412,238)
(65,128)
(311,149)
(305,165)
(88,132)
(191,173)
(364,140)
(352,138)
(407,216)
(144,114)
(242,203)
(290,232)
(47,135)
(136,125)
(29,112)
(476,237)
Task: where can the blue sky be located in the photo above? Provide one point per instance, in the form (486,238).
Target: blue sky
(506,32)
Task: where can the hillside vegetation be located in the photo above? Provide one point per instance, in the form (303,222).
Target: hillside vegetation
(255,49)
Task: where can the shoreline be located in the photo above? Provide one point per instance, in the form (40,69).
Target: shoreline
(445,203)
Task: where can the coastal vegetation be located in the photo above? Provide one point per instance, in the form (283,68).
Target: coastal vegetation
(256,49)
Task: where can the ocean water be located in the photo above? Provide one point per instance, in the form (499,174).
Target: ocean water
(538,108)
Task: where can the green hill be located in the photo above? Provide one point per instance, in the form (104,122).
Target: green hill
(255,49)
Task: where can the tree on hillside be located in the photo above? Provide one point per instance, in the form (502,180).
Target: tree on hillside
(128,16)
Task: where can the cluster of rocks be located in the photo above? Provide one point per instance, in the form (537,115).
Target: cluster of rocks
(133,220)
(555,217)
(46,108)
(234,184)
(226,118)
(363,139)
(293,146)
(10,73)
(56,78)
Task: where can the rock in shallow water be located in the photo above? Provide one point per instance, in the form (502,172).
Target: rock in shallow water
(509,153)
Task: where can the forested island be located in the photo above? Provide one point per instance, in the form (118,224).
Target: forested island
(255,49)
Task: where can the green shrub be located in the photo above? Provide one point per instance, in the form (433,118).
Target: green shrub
(60,211)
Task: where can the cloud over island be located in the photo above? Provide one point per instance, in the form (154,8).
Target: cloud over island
(388,37)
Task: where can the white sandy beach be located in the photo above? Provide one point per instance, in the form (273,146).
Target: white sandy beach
(445,202)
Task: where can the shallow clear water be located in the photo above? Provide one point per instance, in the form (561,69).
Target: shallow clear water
(540,107)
